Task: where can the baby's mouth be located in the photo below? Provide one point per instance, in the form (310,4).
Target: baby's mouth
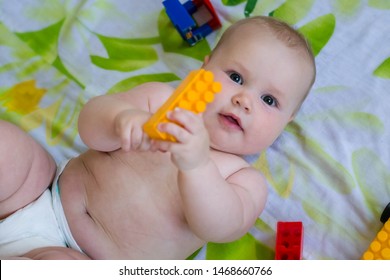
(231,121)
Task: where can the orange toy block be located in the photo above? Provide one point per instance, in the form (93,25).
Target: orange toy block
(379,248)
(193,94)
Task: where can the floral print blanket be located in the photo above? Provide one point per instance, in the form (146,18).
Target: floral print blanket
(331,167)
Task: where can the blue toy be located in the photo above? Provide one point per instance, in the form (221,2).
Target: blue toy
(194,20)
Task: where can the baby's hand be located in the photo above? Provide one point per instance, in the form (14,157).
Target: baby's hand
(192,147)
(128,127)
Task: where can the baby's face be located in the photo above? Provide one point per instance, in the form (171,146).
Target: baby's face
(263,82)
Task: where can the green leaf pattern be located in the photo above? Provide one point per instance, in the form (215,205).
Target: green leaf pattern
(329,169)
(292,11)
(383,69)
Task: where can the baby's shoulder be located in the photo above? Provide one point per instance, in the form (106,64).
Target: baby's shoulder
(228,164)
(236,169)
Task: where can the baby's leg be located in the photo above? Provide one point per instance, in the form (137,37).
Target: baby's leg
(26,169)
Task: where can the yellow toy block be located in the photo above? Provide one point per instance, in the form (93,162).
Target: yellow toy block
(379,248)
(194,93)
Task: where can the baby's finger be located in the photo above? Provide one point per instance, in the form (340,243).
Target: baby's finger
(125,140)
(146,143)
(181,134)
(136,139)
(162,146)
(187,119)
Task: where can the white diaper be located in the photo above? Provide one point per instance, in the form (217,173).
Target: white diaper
(59,212)
(31,227)
(42,223)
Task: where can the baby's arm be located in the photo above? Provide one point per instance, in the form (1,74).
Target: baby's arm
(110,122)
(220,210)
(217,209)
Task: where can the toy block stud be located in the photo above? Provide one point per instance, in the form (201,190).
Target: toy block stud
(193,94)
(289,241)
(379,248)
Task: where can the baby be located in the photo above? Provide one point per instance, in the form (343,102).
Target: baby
(130,197)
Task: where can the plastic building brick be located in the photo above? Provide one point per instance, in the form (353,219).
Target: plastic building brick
(379,248)
(385,214)
(194,20)
(289,241)
(194,93)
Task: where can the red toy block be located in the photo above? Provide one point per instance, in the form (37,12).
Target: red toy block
(289,241)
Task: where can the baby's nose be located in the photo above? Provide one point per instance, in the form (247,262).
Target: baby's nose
(243,101)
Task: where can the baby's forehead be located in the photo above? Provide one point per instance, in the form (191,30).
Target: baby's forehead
(250,30)
(239,37)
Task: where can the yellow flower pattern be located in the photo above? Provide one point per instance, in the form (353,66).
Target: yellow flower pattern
(23,98)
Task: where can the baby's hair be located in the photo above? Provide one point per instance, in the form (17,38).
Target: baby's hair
(283,32)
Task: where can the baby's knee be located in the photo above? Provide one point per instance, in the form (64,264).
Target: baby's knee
(26,168)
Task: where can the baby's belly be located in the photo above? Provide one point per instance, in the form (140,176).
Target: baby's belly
(118,209)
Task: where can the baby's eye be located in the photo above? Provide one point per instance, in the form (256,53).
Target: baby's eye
(269,100)
(235,77)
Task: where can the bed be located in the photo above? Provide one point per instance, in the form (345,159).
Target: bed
(330,169)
